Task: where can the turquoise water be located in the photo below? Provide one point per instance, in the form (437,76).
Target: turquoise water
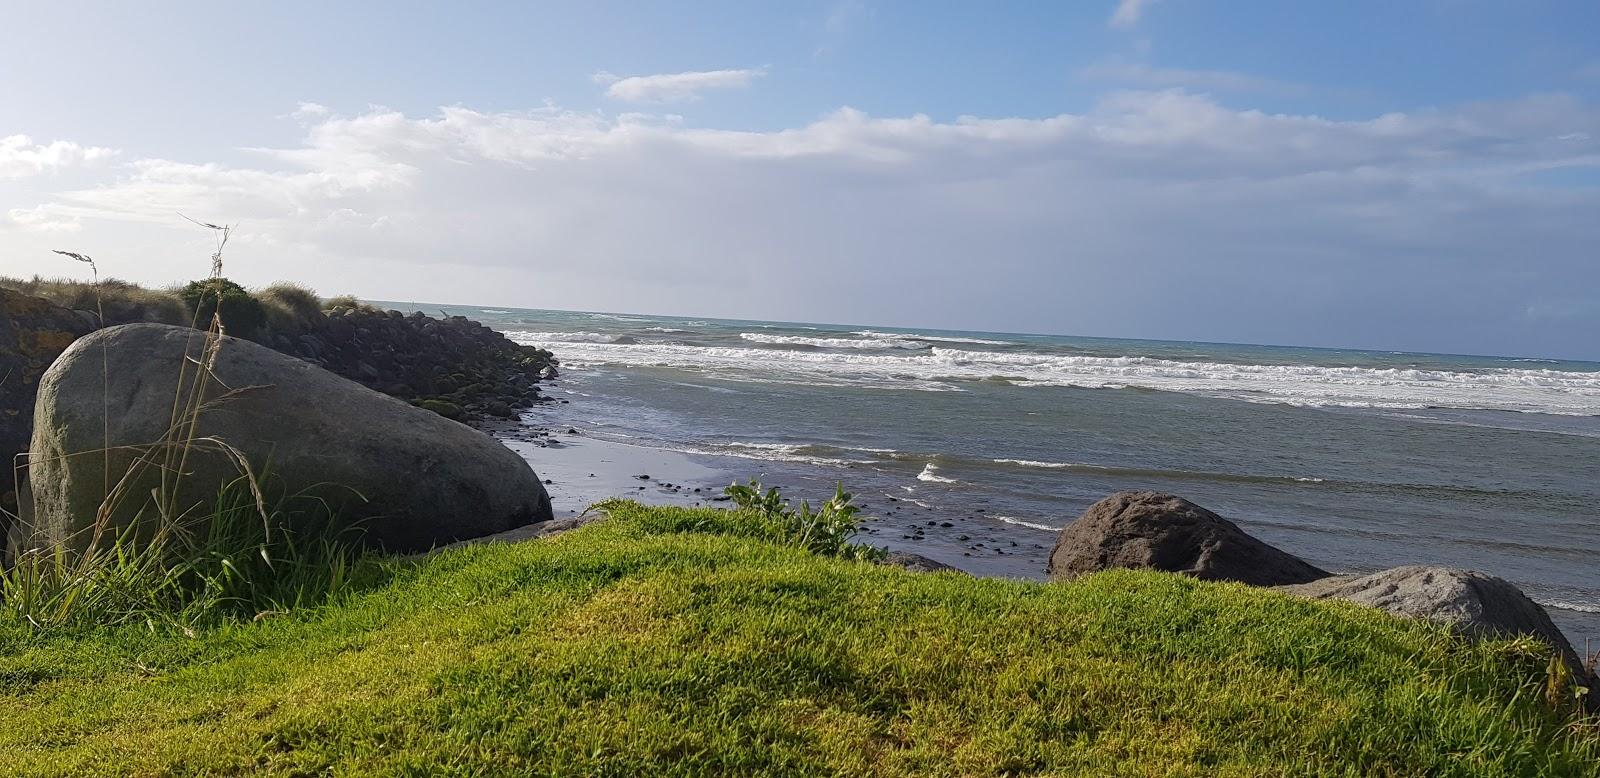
(1354,460)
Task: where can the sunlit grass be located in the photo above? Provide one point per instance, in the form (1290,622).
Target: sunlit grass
(664,640)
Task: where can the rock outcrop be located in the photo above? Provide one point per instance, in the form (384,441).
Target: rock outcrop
(1475,604)
(33,332)
(1154,531)
(413,478)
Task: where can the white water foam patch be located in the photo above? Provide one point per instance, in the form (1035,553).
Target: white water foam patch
(1580,607)
(930,473)
(1025,523)
(799,340)
(1185,474)
(1507,389)
(938,338)
(771,452)
(542,338)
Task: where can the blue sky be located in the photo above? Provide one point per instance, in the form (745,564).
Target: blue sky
(1406,175)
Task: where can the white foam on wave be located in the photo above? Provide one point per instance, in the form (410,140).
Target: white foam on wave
(772,452)
(1046,465)
(800,340)
(1025,523)
(1580,607)
(930,473)
(541,338)
(1187,473)
(663,329)
(939,338)
(1538,390)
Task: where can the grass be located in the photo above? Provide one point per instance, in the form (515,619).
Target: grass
(288,307)
(121,302)
(671,641)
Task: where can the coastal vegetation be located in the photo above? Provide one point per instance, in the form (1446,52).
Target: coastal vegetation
(687,641)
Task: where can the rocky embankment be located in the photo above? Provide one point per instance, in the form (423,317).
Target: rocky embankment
(453,366)
(33,332)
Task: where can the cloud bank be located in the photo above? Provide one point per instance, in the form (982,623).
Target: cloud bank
(1154,214)
(21,157)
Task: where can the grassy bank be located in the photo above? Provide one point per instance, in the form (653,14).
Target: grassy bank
(668,640)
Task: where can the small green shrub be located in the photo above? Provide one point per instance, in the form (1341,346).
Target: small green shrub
(241,311)
(826,531)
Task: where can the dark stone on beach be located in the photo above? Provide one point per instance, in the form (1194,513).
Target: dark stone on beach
(412,478)
(1475,604)
(917,563)
(1155,531)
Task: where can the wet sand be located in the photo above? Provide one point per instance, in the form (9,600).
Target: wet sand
(579,471)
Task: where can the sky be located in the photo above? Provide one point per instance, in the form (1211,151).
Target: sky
(1415,175)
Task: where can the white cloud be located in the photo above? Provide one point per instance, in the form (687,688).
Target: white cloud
(1128,13)
(1150,76)
(1130,218)
(306,111)
(675,87)
(21,157)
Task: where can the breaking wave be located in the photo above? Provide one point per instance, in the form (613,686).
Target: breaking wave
(1025,523)
(1534,390)
(888,341)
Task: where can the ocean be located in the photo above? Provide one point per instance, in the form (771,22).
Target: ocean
(974,448)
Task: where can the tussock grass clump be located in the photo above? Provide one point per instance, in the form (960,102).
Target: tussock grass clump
(121,301)
(668,641)
(290,307)
(349,301)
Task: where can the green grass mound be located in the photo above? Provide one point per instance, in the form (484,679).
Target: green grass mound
(670,641)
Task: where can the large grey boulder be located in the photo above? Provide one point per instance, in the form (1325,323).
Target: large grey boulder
(1474,604)
(1155,531)
(411,477)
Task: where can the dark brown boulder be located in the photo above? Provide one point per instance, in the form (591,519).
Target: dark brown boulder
(33,332)
(1154,531)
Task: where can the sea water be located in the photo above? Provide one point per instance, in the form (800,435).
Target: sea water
(974,448)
